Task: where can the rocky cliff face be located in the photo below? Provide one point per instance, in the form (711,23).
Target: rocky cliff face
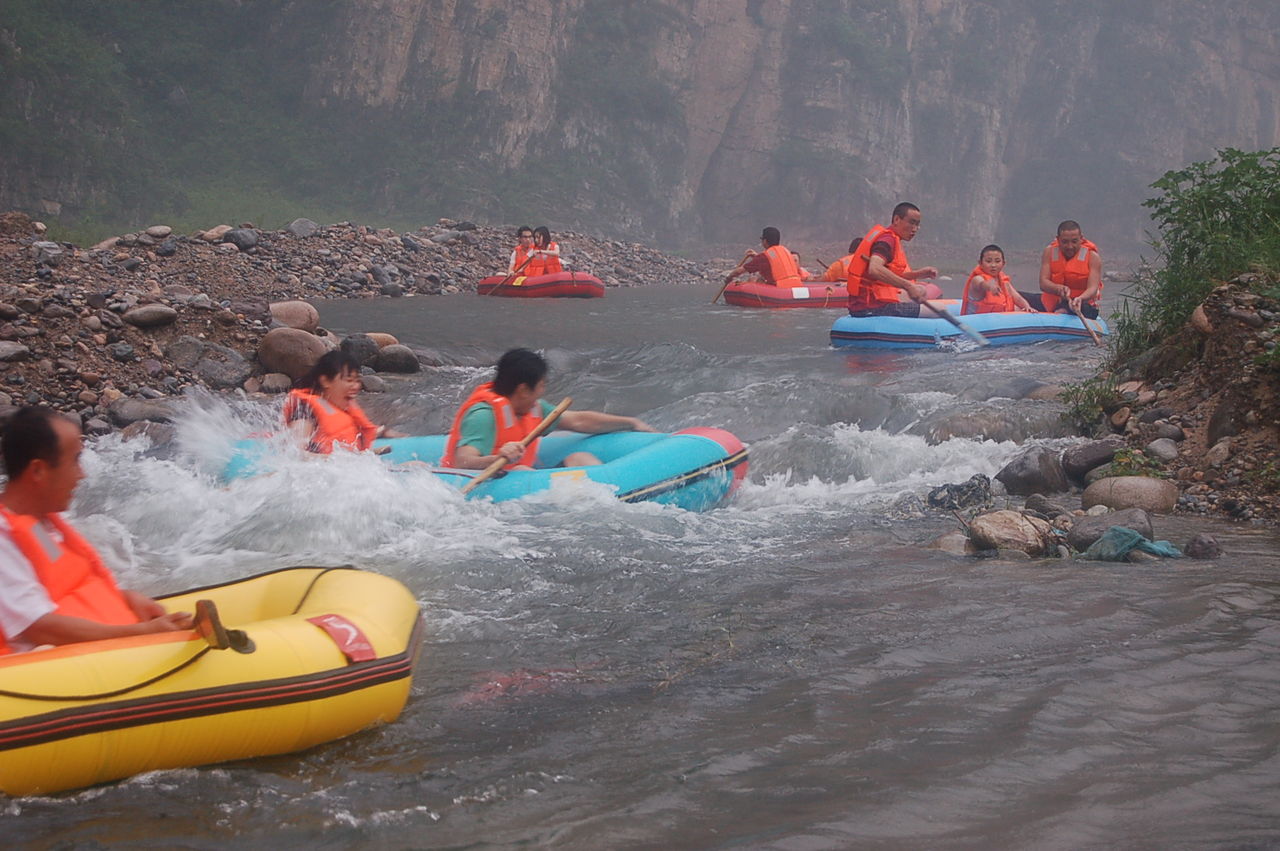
(699,120)
(998,117)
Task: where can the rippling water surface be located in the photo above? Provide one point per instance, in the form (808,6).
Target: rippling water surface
(792,671)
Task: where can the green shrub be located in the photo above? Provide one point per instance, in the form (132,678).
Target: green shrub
(1087,400)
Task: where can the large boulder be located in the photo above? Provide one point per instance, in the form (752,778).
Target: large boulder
(1079,460)
(1158,496)
(290,351)
(1037,470)
(1011,530)
(1088,529)
(383,340)
(296,314)
(221,367)
(397,358)
(151,316)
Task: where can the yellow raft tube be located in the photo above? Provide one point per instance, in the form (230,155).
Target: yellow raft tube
(316,654)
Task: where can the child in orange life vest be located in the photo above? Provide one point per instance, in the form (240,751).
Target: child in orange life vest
(988,289)
(322,409)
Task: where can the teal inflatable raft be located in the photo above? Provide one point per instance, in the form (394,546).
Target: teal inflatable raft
(695,469)
(1002,329)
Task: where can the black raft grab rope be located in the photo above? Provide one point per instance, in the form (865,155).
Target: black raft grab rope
(207,623)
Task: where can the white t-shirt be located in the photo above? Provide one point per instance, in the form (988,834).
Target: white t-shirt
(23,600)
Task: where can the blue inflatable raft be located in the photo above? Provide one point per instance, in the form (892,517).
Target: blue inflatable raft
(695,469)
(1002,329)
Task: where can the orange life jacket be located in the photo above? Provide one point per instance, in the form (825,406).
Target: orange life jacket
(782,266)
(865,292)
(349,428)
(510,426)
(839,270)
(1073,273)
(522,254)
(998,302)
(77,581)
(546,265)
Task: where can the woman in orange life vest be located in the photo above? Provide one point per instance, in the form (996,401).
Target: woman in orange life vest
(521,255)
(774,264)
(499,413)
(988,289)
(546,254)
(54,588)
(805,274)
(322,409)
(1070,273)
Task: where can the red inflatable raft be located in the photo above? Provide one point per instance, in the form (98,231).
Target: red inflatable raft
(812,294)
(556,285)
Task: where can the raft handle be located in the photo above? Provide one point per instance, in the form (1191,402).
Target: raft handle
(208,623)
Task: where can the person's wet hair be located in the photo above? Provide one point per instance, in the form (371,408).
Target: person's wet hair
(27,436)
(330,366)
(517,367)
(771,235)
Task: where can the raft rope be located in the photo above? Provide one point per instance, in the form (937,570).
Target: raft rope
(53,698)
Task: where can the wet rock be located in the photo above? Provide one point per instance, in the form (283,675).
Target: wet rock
(1041,504)
(125,411)
(1037,470)
(956,543)
(391,290)
(1077,461)
(1203,546)
(1012,530)
(222,368)
(290,351)
(373,384)
(1157,496)
(362,347)
(397,358)
(973,493)
(296,314)
(97,427)
(1086,530)
(158,434)
(276,382)
(151,316)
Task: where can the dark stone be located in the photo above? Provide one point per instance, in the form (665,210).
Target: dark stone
(975,492)
(242,238)
(397,358)
(303,228)
(126,411)
(410,243)
(392,290)
(97,301)
(1152,414)
(1037,470)
(361,347)
(1041,504)
(1203,546)
(380,275)
(122,352)
(252,308)
(167,248)
(221,367)
(465,226)
(1077,461)
(1086,530)
(131,264)
(1222,423)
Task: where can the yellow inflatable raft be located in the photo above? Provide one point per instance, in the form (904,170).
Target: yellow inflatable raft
(315,654)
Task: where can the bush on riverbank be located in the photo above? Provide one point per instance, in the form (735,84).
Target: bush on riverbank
(1215,220)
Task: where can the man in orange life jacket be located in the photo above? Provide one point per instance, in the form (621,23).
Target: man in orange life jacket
(498,414)
(1070,274)
(54,589)
(775,264)
(879,269)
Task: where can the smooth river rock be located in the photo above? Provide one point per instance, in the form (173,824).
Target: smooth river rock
(1158,496)
(1037,470)
(1086,530)
(296,314)
(290,351)
(1012,530)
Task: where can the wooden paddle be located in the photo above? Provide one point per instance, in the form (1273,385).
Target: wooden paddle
(725,285)
(964,329)
(1085,323)
(547,421)
(509,278)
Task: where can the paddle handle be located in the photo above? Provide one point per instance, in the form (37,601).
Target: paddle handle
(964,329)
(509,278)
(533,435)
(1087,326)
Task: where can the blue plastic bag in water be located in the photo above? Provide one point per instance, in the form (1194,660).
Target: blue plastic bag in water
(1117,542)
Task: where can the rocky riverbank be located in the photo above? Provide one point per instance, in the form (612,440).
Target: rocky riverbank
(110,333)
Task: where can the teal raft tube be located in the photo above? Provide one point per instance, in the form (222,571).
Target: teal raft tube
(696,469)
(1002,329)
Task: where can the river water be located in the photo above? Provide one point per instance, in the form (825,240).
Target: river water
(792,671)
